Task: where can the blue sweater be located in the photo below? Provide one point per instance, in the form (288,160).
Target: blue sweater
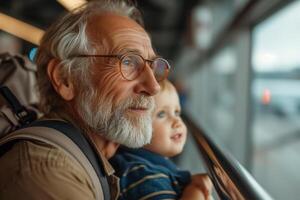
(147,175)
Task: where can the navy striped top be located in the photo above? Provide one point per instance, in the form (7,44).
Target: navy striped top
(147,175)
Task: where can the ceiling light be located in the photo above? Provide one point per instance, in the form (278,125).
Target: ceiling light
(20,29)
(71,4)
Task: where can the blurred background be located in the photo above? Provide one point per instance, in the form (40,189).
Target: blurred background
(236,65)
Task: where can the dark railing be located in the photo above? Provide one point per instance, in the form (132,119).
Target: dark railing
(231,180)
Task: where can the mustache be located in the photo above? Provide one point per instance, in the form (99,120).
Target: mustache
(139,102)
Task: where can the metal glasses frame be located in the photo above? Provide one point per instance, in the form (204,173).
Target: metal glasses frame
(120,57)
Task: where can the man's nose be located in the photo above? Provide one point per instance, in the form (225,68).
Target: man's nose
(148,84)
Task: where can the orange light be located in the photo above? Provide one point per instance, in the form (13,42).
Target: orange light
(71,4)
(20,29)
(266,97)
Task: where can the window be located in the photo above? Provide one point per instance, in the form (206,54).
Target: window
(276,103)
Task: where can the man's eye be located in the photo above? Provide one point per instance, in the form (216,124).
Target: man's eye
(161,114)
(127,62)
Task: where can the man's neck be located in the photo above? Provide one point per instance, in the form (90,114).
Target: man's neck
(101,144)
(104,146)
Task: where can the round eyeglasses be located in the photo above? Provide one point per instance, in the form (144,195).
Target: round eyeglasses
(132,65)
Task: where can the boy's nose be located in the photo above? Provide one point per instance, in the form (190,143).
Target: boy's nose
(177,122)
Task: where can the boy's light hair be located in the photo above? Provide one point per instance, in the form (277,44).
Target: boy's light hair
(166,85)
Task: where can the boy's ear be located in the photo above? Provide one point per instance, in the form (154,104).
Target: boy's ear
(64,87)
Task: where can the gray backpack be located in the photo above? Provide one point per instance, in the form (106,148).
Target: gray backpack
(19,75)
(18,121)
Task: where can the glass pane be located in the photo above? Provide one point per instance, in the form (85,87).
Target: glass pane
(210,18)
(276,103)
(222,98)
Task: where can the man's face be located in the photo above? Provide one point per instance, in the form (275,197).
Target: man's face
(117,108)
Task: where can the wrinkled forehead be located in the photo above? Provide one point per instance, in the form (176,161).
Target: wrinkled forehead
(118,33)
(131,40)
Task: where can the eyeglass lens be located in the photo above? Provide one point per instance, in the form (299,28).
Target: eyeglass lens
(133,65)
(160,68)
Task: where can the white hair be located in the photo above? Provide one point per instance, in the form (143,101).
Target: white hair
(67,37)
(112,121)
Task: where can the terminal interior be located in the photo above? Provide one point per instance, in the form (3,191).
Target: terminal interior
(235,64)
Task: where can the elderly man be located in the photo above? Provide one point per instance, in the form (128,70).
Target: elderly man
(98,71)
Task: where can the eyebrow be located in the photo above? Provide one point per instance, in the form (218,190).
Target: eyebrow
(167,107)
(136,51)
(128,50)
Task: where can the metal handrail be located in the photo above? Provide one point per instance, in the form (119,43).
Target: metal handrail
(230,179)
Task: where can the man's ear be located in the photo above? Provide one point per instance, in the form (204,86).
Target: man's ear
(64,88)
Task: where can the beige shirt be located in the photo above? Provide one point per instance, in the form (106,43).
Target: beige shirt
(36,170)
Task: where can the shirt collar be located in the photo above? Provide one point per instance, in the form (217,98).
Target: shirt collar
(151,157)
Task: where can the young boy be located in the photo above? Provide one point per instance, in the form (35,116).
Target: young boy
(147,173)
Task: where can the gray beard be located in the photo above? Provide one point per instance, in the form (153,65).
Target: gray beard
(113,123)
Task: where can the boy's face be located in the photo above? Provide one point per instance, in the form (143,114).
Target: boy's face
(169,131)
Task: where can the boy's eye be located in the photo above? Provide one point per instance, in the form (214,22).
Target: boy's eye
(177,112)
(161,114)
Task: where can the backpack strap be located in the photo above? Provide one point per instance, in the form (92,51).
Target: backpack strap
(63,135)
(24,115)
